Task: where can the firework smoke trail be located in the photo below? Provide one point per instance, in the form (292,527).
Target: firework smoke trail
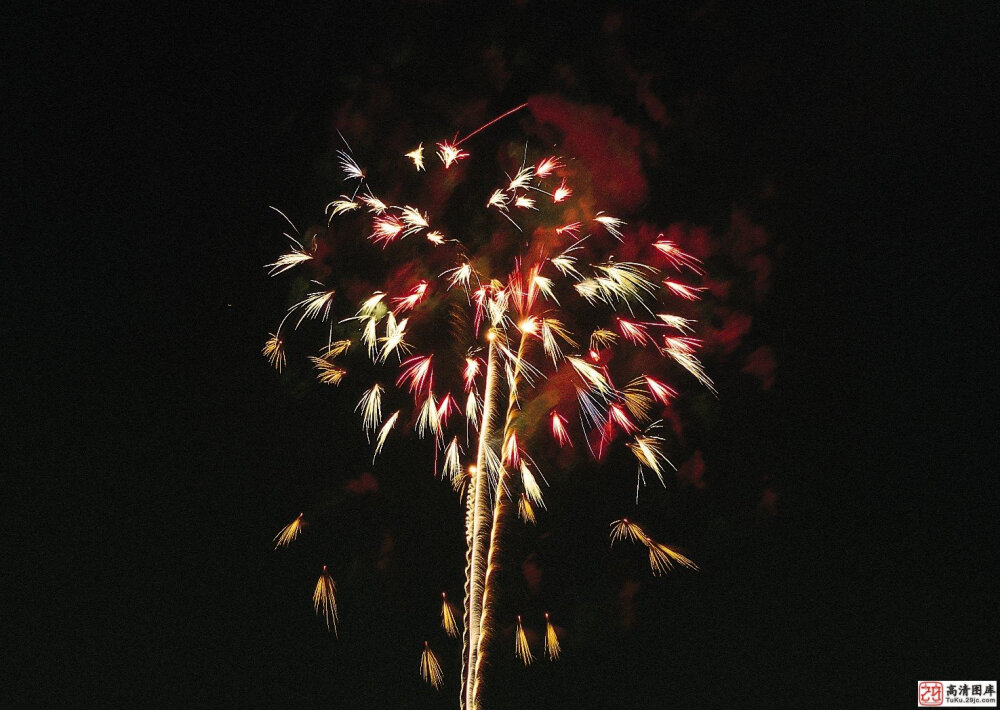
(585,274)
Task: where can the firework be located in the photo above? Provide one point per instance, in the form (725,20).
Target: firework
(551,640)
(548,316)
(448,622)
(288,533)
(430,669)
(521,647)
(324,600)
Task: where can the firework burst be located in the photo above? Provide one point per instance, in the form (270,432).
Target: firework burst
(547,315)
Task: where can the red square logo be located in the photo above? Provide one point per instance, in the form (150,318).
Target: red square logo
(930,694)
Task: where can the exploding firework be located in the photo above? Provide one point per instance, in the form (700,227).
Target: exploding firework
(547,301)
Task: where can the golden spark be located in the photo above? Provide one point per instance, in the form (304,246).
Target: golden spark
(324,600)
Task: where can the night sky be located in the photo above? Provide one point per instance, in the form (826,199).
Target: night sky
(154,453)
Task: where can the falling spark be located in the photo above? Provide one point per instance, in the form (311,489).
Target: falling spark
(450,154)
(417,370)
(551,329)
(635,333)
(430,669)
(551,640)
(341,206)
(470,373)
(349,166)
(375,205)
(601,338)
(546,166)
(561,193)
(448,622)
(296,256)
(288,533)
(435,237)
(681,324)
(499,200)
(324,600)
(689,293)
(452,465)
(591,375)
(559,430)
(525,203)
(383,433)
(413,220)
(662,558)
(660,391)
(624,529)
(417,156)
(371,408)
(427,420)
(386,229)
(329,374)
(521,647)
(394,342)
(616,414)
(648,450)
(407,303)
(511,453)
(315,304)
(678,258)
(612,224)
(274,351)
(336,348)
(524,510)
(522,180)
(572,229)
(531,488)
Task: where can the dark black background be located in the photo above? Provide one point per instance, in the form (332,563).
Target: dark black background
(154,453)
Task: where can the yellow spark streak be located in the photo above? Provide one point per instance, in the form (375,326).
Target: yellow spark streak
(591,375)
(677,322)
(572,229)
(296,256)
(375,205)
(546,167)
(336,348)
(692,364)
(649,451)
(448,622)
(544,286)
(450,154)
(524,510)
(324,600)
(427,420)
(314,304)
(525,203)
(274,351)
(636,400)
(370,305)
(417,156)
(471,372)
(522,180)
(521,648)
(341,206)
(288,533)
(435,238)
(529,325)
(329,374)
(625,279)
(531,487)
(472,408)
(601,338)
(612,224)
(662,558)
(551,328)
(413,220)
(371,408)
(452,465)
(551,640)
(350,168)
(384,433)
(393,340)
(459,275)
(562,193)
(499,200)
(430,669)
(625,529)
(369,337)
